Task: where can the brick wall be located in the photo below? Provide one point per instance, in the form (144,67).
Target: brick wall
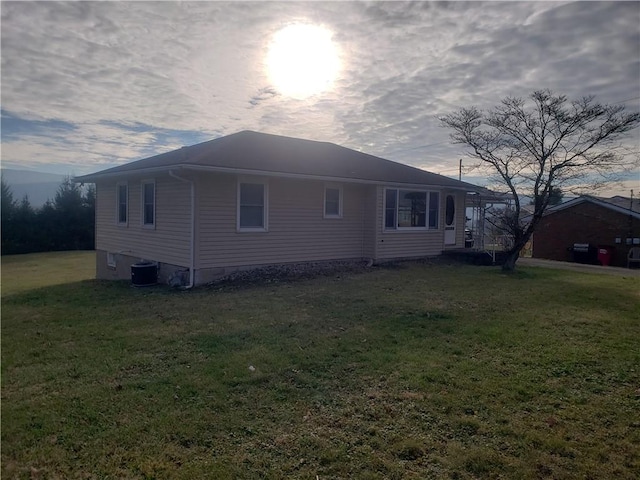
(584,223)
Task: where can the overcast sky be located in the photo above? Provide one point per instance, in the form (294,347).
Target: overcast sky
(89,85)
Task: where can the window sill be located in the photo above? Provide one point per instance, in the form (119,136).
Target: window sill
(410,230)
(251,230)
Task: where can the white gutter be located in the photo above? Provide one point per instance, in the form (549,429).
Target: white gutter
(91,178)
(192,260)
(326,178)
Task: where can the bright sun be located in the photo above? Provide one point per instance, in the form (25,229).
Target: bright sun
(302,60)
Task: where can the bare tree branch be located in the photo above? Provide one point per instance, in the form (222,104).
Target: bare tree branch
(539,145)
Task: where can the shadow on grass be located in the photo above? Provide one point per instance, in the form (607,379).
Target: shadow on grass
(465,369)
(88,292)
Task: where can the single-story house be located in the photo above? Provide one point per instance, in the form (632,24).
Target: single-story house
(252,199)
(592,223)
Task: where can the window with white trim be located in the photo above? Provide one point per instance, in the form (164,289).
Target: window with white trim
(122,207)
(148,203)
(407,209)
(332,201)
(252,206)
(434,208)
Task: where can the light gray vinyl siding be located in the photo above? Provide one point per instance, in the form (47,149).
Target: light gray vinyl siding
(168,242)
(370,223)
(406,243)
(297,229)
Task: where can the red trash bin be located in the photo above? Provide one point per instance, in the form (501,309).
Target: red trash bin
(604,255)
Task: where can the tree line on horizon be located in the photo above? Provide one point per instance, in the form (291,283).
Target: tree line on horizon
(65,223)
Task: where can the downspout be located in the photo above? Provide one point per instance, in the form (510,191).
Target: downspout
(192,260)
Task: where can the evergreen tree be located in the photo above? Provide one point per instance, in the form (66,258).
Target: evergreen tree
(8,207)
(48,228)
(68,205)
(66,223)
(89,214)
(25,228)
(555,196)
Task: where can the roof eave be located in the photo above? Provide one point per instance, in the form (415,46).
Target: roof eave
(588,198)
(93,178)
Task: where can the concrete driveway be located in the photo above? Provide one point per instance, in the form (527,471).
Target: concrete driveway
(578,267)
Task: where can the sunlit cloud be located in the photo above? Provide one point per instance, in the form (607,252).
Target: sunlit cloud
(95,84)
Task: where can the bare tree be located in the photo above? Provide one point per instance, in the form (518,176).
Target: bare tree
(545,144)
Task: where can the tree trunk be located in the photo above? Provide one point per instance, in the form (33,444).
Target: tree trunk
(509,264)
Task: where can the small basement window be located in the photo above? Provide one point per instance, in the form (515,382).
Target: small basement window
(111,260)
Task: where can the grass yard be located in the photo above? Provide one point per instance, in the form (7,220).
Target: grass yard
(21,273)
(417,371)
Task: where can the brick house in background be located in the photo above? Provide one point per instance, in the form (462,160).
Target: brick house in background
(612,222)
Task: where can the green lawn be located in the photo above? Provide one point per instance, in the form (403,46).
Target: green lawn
(416,371)
(21,273)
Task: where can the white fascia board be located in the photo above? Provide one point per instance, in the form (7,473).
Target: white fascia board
(92,178)
(325,178)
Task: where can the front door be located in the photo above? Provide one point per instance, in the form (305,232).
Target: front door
(450,221)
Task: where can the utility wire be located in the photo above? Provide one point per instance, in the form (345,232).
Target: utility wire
(627,100)
(442,143)
(415,148)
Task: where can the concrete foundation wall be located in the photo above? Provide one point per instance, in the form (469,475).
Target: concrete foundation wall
(120,268)
(167,273)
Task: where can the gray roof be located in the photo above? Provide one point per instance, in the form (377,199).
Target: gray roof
(618,204)
(260,153)
(626,203)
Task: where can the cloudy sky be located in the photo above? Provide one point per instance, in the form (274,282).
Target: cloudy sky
(88,85)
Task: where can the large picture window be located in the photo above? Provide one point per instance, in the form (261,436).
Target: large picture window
(434,208)
(410,209)
(252,206)
(148,204)
(122,207)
